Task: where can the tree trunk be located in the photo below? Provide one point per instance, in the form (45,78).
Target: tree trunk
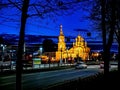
(104,33)
(119,57)
(110,39)
(21,45)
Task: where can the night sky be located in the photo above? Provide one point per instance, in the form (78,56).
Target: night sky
(71,25)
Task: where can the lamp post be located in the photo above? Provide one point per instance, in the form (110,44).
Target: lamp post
(61,55)
(3,50)
(41,50)
(67,55)
(78,59)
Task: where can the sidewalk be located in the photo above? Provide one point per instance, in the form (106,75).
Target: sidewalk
(38,69)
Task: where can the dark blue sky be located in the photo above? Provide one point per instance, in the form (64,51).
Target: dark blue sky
(51,27)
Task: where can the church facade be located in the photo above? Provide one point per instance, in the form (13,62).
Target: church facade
(78,50)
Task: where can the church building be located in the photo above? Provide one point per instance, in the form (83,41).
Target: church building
(78,50)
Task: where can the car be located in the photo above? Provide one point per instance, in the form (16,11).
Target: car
(5,64)
(81,65)
(102,65)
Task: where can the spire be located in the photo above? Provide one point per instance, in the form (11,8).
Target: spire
(78,33)
(61,32)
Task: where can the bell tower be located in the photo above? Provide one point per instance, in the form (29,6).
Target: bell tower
(61,41)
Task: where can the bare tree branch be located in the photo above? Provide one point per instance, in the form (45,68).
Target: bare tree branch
(16,4)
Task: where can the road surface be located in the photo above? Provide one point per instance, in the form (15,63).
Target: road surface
(39,80)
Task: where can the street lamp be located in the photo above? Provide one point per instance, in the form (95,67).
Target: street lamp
(61,55)
(3,50)
(41,50)
(67,54)
(78,58)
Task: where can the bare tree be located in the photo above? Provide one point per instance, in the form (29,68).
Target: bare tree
(117,31)
(35,9)
(108,17)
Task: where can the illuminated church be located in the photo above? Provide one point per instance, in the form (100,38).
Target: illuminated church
(79,48)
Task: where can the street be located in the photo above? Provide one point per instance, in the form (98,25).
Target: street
(42,80)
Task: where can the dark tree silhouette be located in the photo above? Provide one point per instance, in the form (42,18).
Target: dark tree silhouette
(1,40)
(49,46)
(40,8)
(105,10)
(21,44)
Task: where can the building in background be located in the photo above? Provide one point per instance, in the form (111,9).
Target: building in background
(67,47)
(78,50)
